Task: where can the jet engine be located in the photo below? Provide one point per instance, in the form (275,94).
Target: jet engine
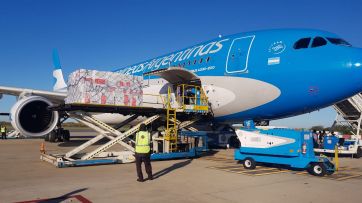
(31,117)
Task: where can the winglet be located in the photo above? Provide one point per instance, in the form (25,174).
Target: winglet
(60,85)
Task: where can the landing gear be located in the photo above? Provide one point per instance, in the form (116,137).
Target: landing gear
(234,142)
(58,135)
(52,136)
(359,152)
(46,137)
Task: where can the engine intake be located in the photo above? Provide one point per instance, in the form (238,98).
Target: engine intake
(31,117)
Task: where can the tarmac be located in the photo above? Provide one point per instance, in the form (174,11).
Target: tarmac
(215,178)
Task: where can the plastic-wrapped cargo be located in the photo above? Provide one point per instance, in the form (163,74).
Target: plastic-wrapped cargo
(100,87)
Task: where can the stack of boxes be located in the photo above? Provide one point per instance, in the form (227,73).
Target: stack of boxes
(100,87)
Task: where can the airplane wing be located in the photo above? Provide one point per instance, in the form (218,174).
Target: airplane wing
(53,96)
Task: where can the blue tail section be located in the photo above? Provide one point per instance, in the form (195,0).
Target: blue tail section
(59,85)
(56,61)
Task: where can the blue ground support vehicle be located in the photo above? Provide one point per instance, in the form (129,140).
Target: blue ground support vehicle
(280,146)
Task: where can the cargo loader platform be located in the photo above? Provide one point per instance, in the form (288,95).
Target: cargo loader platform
(178,139)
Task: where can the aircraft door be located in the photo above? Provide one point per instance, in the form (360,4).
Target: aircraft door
(238,55)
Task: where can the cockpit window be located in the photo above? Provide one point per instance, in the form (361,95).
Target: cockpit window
(338,41)
(318,41)
(302,43)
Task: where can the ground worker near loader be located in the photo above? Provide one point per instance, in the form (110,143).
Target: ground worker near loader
(143,152)
(3,131)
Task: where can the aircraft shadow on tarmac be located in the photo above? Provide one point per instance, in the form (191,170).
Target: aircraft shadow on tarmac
(63,198)
(171,168)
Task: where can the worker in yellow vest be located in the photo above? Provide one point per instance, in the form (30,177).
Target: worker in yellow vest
(143,152)
(3,131)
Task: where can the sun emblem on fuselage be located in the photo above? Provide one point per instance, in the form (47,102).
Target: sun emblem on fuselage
(277,47)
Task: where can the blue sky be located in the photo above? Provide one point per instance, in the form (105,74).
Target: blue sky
(108,34)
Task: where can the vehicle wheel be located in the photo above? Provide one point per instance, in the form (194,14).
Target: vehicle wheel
(66,135)
(359,153)
(52,136)
(249,163)
(317,169)
(46,137)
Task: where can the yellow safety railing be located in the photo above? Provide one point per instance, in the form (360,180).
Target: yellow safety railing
(188,97)
(191,96)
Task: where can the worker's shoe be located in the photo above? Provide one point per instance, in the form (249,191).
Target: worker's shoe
(140,180)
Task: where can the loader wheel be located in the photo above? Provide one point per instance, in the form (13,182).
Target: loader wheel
(317,169)
(249,163)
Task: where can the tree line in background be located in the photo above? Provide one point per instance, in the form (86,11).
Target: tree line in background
(343,129)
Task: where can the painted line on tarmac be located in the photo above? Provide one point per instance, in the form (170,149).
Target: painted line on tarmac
(218,159)
(348,177)
(227,167)
(339,176)
(264,169)
(261,174)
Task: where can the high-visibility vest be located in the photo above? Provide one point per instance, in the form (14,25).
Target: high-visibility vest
(143,142)
(3,129)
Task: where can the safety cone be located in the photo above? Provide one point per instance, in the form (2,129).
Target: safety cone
(42,148)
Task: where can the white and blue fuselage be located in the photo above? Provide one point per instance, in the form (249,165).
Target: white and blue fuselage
(266,75)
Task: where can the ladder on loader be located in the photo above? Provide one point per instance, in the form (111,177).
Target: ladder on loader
(351,112)
(171,124)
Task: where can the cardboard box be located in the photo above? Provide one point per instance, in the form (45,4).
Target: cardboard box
(100,87)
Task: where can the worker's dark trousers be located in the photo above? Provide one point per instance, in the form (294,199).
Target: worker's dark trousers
(3,135)
(146,158)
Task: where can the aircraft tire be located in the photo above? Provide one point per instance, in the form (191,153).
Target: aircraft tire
(52,136)
(46,137)
(66,135)
(359,153)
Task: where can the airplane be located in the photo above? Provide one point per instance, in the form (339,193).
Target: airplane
(260,75)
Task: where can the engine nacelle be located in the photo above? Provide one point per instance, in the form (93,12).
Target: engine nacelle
(31,117)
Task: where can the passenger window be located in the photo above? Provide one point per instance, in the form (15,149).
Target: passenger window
(200,60)
(319,41)
(302,43)
(208,59)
